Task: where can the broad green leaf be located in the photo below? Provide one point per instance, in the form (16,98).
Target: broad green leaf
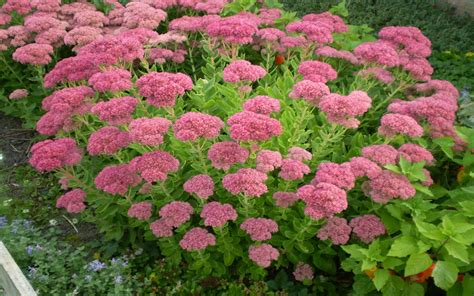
(413,289)
(393,287)
(381,277)
(429,230)
(457,250)
(391,262)
(468,285)
(445,274)
(403,246)
(417,263)
(445,143)
(468,208)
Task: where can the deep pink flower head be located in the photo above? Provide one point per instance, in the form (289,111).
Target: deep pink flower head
(317,71)
(337,230)
(73,201)
(46,5)
(75,98)
(116,111)
(107,140)
(20,6)
(411,38)
(270,34)
(382,154)
(223,155)
(117,179)
(367,227)
(113,80)
(49,155)
(161,228)
(335,23)
(343,109)
(298,153)
(415,153)
(330,52)
(162,88)
(394,124)
(193,125)
(303,272)
(268,160)
(54,121)
(192,23)
(33,54)
(292,169)
(142,15)
(381,74)
(234,29)
(322,200)
(18,94)
(201,185)
(314,31)
(176,213)
(242,70)
(262,104)
(362,166)
(310,91)
(155,166)
(377,52)
(141,210)
(259,229)
(250,126)
(116,48)
(263,254)
(248,182)
(149,131)
(216,214)
(339,175)
(419,68)
(389,185)
(197,239)
(285,199)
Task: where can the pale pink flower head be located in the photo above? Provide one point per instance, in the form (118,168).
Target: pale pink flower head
(176,213)
(303,272)
(310,91)
(37,23)
(415,153)
(53,37)
(439,86)
(161,89)
(216,214)
(107,140)
(381,74)
(18,94)
(142,15)
(263,254)
(197,239)
(398,124)
(419,68)
(362,166)
(72,201)
(317,71)
(33,54)
(54,121)
(330,52)
(116,111)
(268,16)
(428,180)
(298,153)
(192,23)
(292,169)
(243,71)
(270,34)
(381,154)
(234,29)
(377,52)
(117,179)
(194,125)
(21,7)
(49,155)
(343,109)
(201,185)
(155,166)
(4,18)
(337,230)
(339,175)
(367,227)
(248,182)
(323,200)
(389,185)
(285,199)
(114,80)
(115,48)
(46,5)
(268,160)
(90,18)
(223,155)
(335,22)
(259,229)
(411,38)
(250,126)
(19,36)
(288,42)
(141,210)
(262,104)
(211,6)
(314,31)
(161,228)
(144,35)
(149,131)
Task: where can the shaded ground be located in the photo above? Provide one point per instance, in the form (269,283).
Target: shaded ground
(15,141)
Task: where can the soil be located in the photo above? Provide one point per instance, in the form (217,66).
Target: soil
(15,141)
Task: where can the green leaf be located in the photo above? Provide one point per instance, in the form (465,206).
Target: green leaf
(413,289)
(457,250)
(429,230)
(393,287)
(468,285)
(403,246)
(445,274)
(417,263)
(445,143)
(381,277)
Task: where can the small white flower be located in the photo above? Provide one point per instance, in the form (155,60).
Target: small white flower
(25,211)
(53,222)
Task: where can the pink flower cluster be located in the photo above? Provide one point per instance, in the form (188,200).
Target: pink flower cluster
(339,175)
(201,185)
(268,161)
(337,230)
(34,54)
(250,126)
(381,154)
(303,272)
(155,166)
(310,91)
(223,155)
(367,227)
(193,125)
(317,71)
(216,214)
(322,200)
(197,239)
(176,213)
(330,52)
(243,71)
(116,111)
(18,94)
(262,105)
(285,199)
(343,109)
(388,185)
(248,182)
(377,52)
(141,210)
(107,140)
(117,179)
(314,31)
(73,201)
(149,131)
(49,155)
(259,229)
(298,153)
(237,29)
(114,80)
(292,169)
(161,89)
(399,124)
(382,75)
(263,254)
